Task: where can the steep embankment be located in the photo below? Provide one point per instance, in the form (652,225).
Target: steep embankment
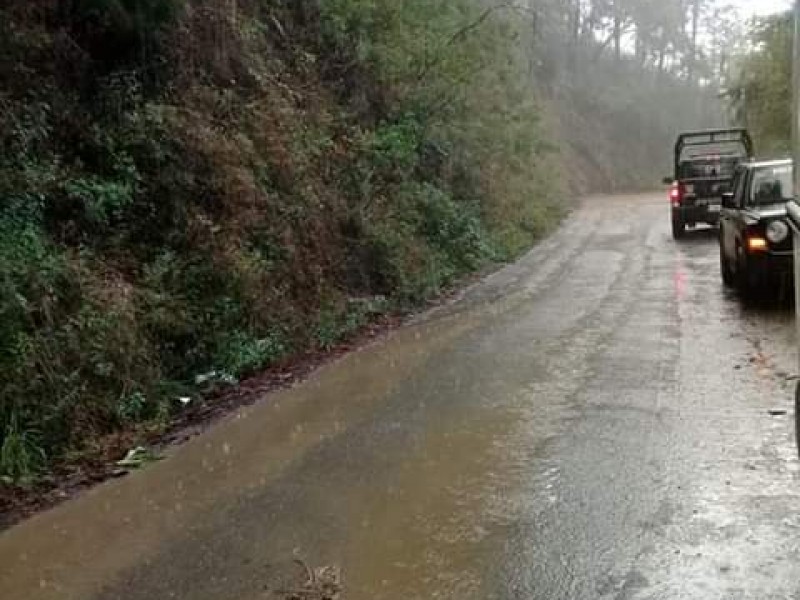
(191,191)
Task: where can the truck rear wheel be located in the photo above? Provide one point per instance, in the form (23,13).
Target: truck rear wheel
(678,227)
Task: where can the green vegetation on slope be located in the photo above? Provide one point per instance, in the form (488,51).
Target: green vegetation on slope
(193,190)
(196,190)
(761,90)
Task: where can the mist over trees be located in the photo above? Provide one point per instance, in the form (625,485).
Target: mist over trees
(685,39)
(627,75)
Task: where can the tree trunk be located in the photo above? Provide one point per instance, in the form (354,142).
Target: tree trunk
(575,34)
(576,21)
(641,47)
(693,49)
(589,24)
(534,50)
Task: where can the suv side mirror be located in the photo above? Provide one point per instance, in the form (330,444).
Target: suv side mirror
(667,180)
(727,200)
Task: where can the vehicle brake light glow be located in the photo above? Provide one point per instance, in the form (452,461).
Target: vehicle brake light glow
(675,194)
(757,244)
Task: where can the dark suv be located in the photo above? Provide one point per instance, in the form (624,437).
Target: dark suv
(705,162)
(755,241)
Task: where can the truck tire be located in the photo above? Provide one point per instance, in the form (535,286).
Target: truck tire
(678,227)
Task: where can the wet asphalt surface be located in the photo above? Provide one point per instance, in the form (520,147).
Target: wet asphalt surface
(592,422)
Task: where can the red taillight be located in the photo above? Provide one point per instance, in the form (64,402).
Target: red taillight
(676,194)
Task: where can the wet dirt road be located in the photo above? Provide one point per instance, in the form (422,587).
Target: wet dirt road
(590,423)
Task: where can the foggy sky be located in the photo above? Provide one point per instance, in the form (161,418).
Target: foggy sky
(761,7)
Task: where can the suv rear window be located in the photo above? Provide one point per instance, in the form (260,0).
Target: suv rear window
(708,169)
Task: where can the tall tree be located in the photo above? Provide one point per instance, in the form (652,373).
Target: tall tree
(695,21)
(761,91)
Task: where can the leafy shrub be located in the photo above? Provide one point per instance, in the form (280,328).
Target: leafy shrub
(102,201)
(21,454)
(455,230)
(240,353)
(336,322)
(132,407)
(394,147)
